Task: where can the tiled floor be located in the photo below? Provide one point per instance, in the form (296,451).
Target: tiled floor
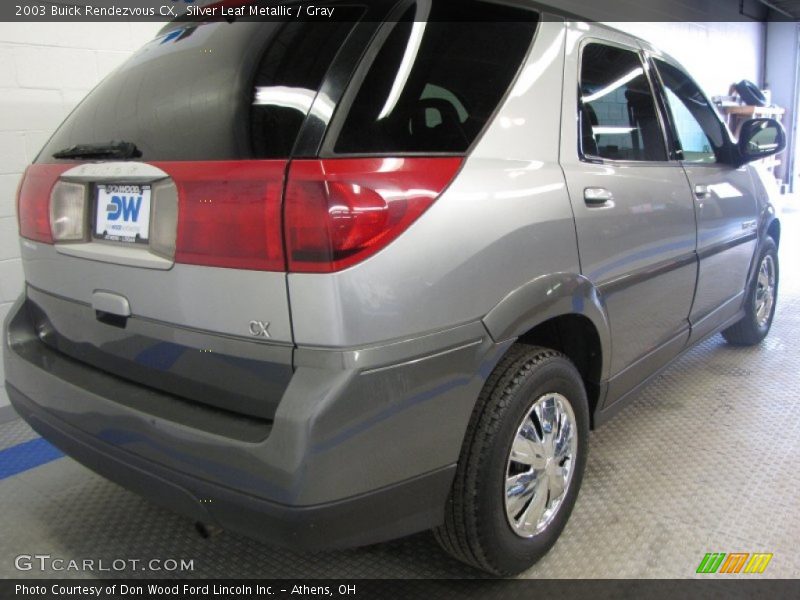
(704,460)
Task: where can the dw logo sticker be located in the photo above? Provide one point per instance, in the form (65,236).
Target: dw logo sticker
(126,207)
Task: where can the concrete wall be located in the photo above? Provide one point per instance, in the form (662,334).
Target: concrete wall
(45,69)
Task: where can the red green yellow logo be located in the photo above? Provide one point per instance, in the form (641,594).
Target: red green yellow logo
(736,562)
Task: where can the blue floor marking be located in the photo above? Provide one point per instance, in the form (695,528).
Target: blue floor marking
(27,455)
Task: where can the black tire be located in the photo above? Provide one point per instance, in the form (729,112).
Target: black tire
(476,530)
(748,331)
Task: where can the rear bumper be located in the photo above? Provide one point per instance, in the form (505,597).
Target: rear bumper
(383,514)
(362,448)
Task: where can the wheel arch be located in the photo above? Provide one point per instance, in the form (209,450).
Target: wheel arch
(769,227)
(774,230)
(563,311)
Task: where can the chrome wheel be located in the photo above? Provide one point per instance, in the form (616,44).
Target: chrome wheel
(540,465)
(765,291)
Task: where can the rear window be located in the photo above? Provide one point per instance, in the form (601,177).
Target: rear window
(210,91)
(434,85)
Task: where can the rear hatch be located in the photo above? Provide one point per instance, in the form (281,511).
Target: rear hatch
(151,221)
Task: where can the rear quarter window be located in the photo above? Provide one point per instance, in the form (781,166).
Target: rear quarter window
(434,85)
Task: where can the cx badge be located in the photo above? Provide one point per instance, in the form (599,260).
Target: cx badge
(259,328)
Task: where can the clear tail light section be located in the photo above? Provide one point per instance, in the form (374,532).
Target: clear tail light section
(163,229)
(33,201)
(68,212)
(339,212)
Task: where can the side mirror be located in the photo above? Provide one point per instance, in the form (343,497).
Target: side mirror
(759,138)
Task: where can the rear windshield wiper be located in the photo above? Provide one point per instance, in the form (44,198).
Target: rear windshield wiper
(109,150)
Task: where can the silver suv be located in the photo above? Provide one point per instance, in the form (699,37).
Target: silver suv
(332,283)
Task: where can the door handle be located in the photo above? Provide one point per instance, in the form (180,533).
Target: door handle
(701,192)
(597,196)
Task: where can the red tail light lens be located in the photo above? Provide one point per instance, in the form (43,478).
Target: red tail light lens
(229,213)
(33,200)
(339,212)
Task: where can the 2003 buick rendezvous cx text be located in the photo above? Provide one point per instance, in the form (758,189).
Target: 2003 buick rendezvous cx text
(333,283)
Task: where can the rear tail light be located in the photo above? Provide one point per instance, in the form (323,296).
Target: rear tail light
(336,212)
(33,201)
(339,212)
(67,212)
(229,213)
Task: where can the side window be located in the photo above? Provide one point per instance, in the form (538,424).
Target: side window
(696,125)
(433,85)
(616,108)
